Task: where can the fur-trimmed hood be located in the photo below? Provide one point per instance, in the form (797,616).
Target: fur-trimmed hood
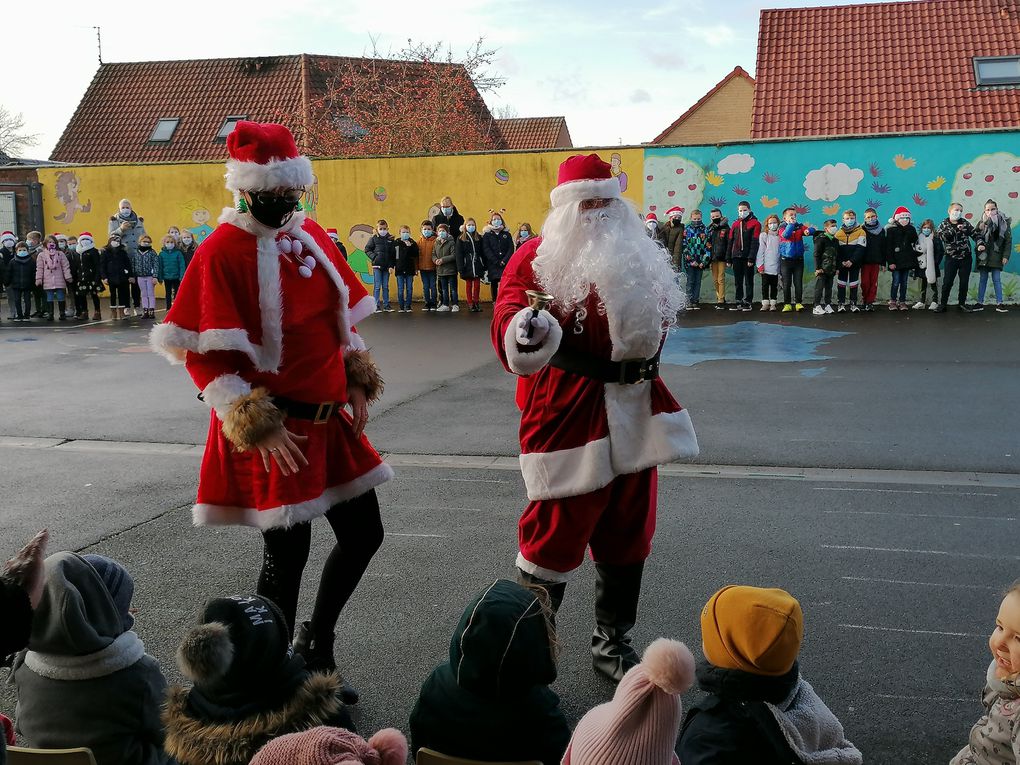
(194,741)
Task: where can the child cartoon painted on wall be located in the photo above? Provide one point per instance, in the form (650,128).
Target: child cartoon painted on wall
(200,217)
(359,235)
(67,187)
(310,200)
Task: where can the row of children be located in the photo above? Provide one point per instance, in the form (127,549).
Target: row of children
(851,255)
(51,268)
(449,246)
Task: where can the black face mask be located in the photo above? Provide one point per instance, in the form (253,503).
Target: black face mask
(271,210)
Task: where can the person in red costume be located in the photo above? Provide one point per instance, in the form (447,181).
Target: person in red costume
(596,419)
(265,325)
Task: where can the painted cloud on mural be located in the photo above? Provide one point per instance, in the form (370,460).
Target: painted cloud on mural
(734,164)
(990,176)
(830,182)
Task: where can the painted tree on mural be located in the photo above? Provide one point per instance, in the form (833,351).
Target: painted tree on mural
(421,99)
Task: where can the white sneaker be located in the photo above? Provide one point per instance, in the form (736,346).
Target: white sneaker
(454,308)
(765,305)
(854,308)
(918,306)
(772,305)
(443,308)
(841,308)
(818,311)
(934,305)
(829,309)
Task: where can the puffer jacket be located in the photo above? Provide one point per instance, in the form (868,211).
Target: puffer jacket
(768,253)
(170,264)
(791,240)
(719,240)
(956,236)
(874,246)
(853,244)
(115,265)
(20,273)
(673,241)
(745,235)
(382,251)
(425,247)
(995,737)
(90,279)
(497,248)
(901,247)
(52,271)
(407,258)
(470,259)
(826,253)
(129,234)
(445,252)
(145,263)
(491,700)
(994,242)
(695,246)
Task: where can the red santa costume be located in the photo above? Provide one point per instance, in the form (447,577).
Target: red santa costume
(596,419)
(265,325)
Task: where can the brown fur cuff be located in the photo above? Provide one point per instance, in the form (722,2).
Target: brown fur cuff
(251,418)
(362,372)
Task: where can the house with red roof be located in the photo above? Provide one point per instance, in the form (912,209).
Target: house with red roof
(535,132)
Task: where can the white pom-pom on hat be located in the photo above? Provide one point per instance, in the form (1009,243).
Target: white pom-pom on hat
(669,665)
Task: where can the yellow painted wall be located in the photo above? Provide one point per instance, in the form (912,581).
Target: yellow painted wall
(725,116)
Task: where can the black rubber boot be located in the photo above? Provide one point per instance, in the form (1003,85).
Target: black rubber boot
(617,591)
(318,656)
(555,589)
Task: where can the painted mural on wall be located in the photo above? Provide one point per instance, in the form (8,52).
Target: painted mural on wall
(68,189)
(822,179)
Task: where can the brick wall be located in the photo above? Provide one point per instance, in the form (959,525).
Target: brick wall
(18,179)
(725,116)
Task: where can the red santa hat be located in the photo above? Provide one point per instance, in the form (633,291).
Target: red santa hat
(85,238)
(901,212)
(674,211)
(651,216)
(8,236)
(263,156)
(584,177)
(58,237)
(332,234)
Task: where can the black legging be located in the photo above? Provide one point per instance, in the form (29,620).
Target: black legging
(359,534)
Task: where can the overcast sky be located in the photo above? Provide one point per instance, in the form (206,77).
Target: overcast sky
(620,73)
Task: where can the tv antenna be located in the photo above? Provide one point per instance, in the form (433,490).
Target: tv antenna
(99,43)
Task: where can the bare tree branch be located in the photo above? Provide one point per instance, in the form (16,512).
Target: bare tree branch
(13,138)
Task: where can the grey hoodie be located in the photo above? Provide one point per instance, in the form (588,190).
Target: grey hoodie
(84,681)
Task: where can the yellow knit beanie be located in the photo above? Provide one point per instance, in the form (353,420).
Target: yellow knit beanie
(752,629)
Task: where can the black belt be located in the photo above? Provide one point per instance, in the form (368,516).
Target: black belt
(627,372)
(320,414)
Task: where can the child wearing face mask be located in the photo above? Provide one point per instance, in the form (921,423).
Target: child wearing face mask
(956,233)
(444,255)
(19,276)
(826,261)
(382,252)
(995,737)
(470,263)
(174,232)
(34,241)
(170,269)
(744,238)
(53,274)
(187,247)
(115,270)
(791,259)
(696,258)
(874,258)
(901,247)
(524,233)
(718,244)
(405,269)
(767,262)
(497,248)
(90,283)
(994,237)
(145,266)
(853,244)
(652,226)
(929,259)
(426,245)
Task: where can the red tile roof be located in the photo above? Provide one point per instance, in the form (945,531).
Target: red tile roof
(883,68)
(536,132)
(738,71)
(119,110)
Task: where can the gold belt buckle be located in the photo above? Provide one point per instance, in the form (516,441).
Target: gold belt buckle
(326,410)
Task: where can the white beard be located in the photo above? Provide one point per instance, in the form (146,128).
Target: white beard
(608,249)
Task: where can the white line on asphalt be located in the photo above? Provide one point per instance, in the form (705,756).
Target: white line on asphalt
(922,584)
(910,632)
(921,698)
(444,479)
(433,507)
(417,536)
(982,556)
(907,491)
(920,515)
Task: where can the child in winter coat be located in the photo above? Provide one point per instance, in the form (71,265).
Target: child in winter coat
(640,725)
(994,237)
(696,258)
(718,244)
(249,686)
(382,252)
(791,259)
(188,247)
(329,746)
(956,233)
(116,270)
(995,737)
(497,248)
(524,233)
(444,255)
(86,679)
(471,261)
(767,262)
(145,266)
(929,260)
(874,258)
(53,274)
(853,245)
(170,269)
(429,286)
(827,248)
(758,708)
(20,279)
(495,686)
(901,250)
(744,238)
(405,269)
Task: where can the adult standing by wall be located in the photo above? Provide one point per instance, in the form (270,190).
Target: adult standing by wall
(994,237)
(596,418)
(130,228)
(497,247)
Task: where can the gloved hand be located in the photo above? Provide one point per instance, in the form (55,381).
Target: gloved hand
(541,324)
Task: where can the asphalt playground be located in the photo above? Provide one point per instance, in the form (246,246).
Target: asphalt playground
(866,463)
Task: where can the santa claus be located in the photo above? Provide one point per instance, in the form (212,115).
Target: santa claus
(264,324)
(596,419)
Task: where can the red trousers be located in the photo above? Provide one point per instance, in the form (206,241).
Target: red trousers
(869,282)
(617,522)
(473,288)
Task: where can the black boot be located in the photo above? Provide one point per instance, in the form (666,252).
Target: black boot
(554,589)
(63,310)
(617,590)
(318,656)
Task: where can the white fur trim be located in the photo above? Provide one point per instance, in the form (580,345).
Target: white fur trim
(528,362)
(362,309)
(640,440)
(120,654)
(548,574)
(224,391)
(277,174)
(568,472)
(173,342)
(270,304)
(286,516)
(578,191)
(357,343)
(344,312)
